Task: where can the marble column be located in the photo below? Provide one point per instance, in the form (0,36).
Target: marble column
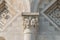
(30,23)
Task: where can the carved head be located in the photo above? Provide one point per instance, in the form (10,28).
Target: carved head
(33,22)
(26,22)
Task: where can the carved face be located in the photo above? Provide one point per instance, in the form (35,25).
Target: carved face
(26,22)
(33,22)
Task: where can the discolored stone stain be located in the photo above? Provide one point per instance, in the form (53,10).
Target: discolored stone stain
(2,38)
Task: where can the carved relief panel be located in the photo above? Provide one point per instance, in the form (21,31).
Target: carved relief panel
(55,16)
(5,15)
(52,13)
(30,20)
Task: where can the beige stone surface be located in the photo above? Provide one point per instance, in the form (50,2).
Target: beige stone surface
(21,5)
(14,30)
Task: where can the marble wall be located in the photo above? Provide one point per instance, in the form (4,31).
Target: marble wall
(47,31)
(14,31)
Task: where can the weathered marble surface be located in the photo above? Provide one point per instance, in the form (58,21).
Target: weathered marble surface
(47,31)
(22,5)
(14,31)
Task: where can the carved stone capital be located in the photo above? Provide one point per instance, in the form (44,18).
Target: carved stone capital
(30,20)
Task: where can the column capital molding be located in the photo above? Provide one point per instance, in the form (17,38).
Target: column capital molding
(30,20)
(30,14)
(30,23)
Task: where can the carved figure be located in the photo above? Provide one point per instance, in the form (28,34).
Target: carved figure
(26,23)
(33,22)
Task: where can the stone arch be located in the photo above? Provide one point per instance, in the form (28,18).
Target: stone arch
(21,5)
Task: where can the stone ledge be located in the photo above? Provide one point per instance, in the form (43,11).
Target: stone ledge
(30,14)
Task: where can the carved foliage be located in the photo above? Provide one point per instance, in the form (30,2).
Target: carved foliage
(30,21)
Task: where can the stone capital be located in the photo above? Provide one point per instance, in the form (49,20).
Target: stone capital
(30,20)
